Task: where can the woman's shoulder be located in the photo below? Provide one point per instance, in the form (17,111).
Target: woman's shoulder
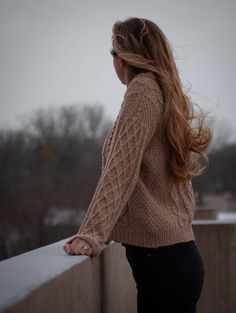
(144,83)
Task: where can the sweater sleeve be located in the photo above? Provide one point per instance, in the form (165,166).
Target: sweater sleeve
(133,131)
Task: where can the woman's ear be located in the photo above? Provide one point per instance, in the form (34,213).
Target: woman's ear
(121,62)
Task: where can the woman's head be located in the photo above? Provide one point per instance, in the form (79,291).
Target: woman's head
(142,46)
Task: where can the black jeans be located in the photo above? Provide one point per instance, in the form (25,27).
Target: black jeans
(169,279)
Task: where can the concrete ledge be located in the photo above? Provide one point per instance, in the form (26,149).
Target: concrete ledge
(46,278)
(49,280)
(213,222)
(205,213)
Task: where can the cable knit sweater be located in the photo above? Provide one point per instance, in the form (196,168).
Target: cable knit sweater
(136,201)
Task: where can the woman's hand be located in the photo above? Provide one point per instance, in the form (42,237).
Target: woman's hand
(78,246)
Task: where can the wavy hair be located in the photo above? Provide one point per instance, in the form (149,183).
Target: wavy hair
(144,47)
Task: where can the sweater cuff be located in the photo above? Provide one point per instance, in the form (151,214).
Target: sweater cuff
(96,247)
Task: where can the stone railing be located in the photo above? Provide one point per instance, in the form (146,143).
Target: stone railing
(49,280)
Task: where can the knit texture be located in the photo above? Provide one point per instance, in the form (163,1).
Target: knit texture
(136,201)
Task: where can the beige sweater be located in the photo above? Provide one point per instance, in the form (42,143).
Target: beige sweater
(135,200)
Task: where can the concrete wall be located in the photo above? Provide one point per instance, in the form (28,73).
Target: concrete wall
(49,280)
(217,244)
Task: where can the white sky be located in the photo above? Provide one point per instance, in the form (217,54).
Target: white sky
(56,52)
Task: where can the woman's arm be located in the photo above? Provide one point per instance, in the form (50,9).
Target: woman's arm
(133,131)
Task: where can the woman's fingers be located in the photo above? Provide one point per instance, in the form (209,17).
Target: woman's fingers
(89,251)
(67,248)
(78,246)
(82,248)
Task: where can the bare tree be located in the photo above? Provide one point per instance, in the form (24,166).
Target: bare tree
(53,160)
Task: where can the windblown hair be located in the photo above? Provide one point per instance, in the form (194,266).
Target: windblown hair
(144,47)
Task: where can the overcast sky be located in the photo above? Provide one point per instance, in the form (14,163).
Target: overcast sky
(56,52)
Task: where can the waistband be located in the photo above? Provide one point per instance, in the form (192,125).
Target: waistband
(179,245)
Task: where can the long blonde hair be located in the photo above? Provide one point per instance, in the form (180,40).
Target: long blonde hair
(144,47)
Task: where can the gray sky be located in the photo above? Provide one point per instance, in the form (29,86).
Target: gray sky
(56,52)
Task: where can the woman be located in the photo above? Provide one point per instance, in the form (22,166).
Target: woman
(144,198)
